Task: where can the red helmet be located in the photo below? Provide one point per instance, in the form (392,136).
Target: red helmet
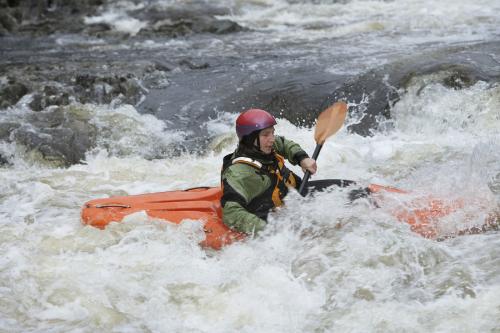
(253,120)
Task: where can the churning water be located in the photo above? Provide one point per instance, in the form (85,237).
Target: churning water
(322,265)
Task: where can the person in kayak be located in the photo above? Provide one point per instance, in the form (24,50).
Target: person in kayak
(255,178)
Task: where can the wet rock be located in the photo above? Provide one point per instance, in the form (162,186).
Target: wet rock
(61,136)
(11,93)
(11,3)
(3,160)
(160,65)
(194,97)
(59,82)
(48,146)
(50,96)
(185,27)
(98,29)
(156,75)
(172,29)
(299,94)
(37,103)
(7,21)
(191,65)
(6,128)
(52,118)
(223,27)
(458,76)
(178,21)
(296,95)
(194,10)
(43,18)
(40,18)
(103,89)
(374,93)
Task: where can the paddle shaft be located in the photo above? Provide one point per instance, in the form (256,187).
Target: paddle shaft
(308,174)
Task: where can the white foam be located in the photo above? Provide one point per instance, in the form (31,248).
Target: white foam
(118,21)
(429,20)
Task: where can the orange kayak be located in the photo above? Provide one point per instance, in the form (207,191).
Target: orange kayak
(427,215)
(203,204)
(421,214)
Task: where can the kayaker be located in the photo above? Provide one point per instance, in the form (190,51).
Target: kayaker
(254,177)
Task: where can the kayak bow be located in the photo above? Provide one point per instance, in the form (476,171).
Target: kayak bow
(201,204)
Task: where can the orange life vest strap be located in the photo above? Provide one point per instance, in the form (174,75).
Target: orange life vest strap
(278,191)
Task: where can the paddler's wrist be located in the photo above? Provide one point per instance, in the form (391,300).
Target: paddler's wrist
(299,157)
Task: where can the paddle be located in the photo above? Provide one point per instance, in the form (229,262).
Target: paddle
(328,123)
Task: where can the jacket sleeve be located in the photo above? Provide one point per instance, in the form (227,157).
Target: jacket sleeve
(241,185)
(238,218)
(289,150)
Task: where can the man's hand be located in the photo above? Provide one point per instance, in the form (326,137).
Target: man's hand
(309,164)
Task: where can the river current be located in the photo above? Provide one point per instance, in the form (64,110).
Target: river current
(322,265)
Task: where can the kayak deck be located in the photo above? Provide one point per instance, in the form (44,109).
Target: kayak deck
(174,206)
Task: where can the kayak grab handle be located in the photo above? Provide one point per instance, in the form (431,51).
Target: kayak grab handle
(111,205)
(197,188)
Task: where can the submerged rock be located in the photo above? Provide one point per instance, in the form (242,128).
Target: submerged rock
(374,93)
(300,94)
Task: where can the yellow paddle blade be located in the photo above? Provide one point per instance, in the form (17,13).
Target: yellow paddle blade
(330,121)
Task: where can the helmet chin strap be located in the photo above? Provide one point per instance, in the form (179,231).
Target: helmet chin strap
(252,141)
(256,143)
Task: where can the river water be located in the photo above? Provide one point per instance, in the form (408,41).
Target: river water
(322,265)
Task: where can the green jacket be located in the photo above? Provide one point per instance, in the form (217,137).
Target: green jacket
(247,190)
